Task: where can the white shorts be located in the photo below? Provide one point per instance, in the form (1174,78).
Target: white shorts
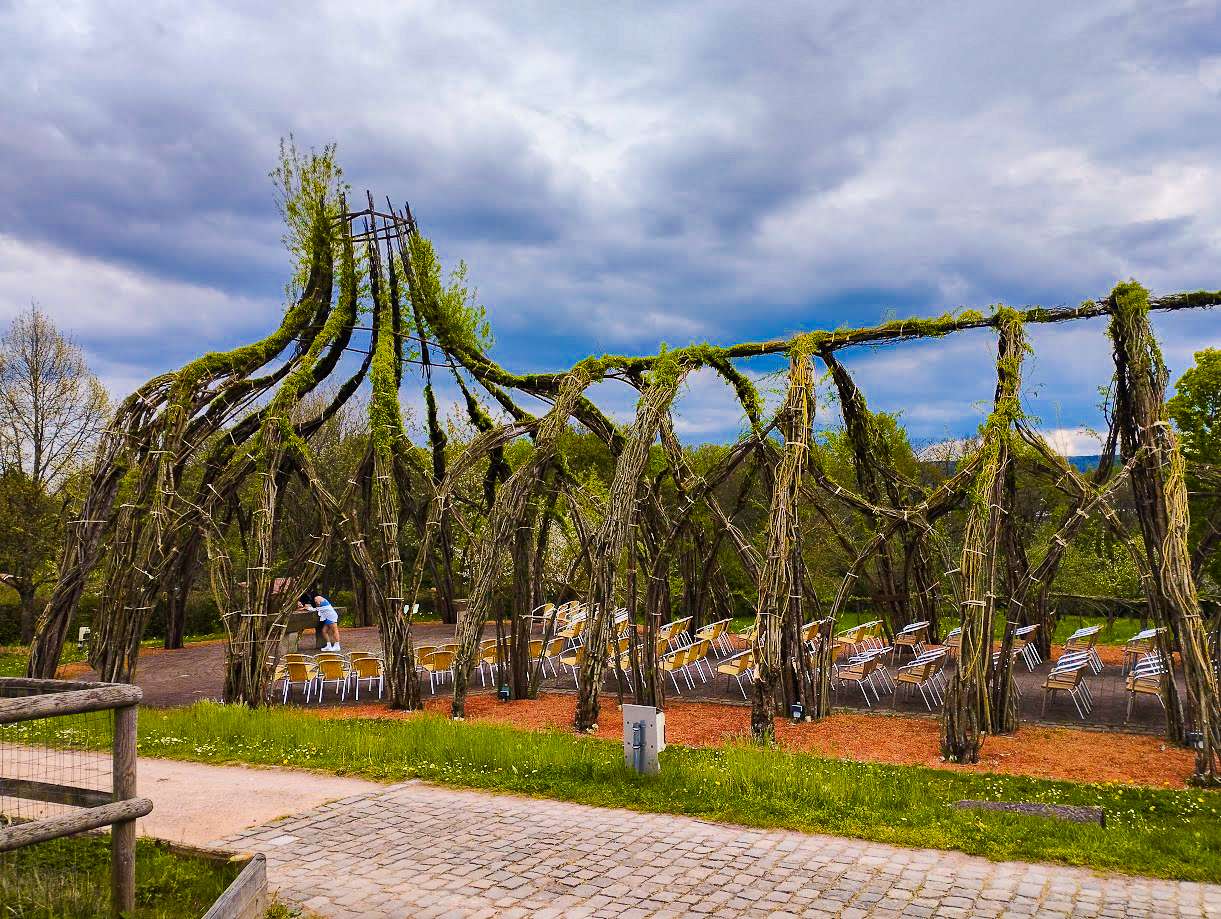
(328,616)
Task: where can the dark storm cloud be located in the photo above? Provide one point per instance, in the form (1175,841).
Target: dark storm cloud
(616,175)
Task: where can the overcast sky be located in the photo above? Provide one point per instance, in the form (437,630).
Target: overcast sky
(619,175)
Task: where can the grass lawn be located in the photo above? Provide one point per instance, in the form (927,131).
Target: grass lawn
(70,879)
(1166,833)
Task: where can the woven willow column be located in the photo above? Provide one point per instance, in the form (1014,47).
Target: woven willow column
(508,513)
(967,710)
(1159,485)
(779,578)
(611,539)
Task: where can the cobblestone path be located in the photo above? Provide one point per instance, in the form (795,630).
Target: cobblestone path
(416,850)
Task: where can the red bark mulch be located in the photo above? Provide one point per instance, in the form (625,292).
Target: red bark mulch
(1040,752)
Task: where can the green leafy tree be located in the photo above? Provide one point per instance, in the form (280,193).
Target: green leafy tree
(31,527)
(1196,411)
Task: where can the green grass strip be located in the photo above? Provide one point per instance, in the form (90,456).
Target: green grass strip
(1166,833)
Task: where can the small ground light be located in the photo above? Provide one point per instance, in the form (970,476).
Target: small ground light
(796,711)
(1195,739)
(503,694)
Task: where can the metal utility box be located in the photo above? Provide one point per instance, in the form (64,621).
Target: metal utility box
(644,736)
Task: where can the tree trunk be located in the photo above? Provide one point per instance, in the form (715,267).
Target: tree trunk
(778,581)
(29,610)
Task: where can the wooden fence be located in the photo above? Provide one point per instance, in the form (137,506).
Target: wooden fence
(29,700)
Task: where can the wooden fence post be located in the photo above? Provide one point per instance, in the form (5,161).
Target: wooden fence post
(123,833)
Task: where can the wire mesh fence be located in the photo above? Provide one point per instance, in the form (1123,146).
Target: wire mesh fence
(41,759)
(68,766)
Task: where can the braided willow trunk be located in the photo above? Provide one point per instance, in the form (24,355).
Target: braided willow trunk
(377,554)
(968,710)
(612,538)
(508,513)
(83,541)
(780,579)
(1159,485)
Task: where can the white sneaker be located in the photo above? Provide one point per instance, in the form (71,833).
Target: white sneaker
(335,647)
(327,647)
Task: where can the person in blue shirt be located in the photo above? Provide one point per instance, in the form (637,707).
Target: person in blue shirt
(328,616)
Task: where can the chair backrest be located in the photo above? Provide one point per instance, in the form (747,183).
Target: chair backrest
(922,669)
(809,631)
(1071,660)
(422,651)
(327,656)
(852,634)
(360,655)
(1150,665)
(1070,664)
(440,659)
(330,668)
(672,660)
(698,649)
(675,628)
(295,658)
(1074,675)
(555,646)
(1083,638)
(367,667)
(487,653)
(739,663)
(298,671)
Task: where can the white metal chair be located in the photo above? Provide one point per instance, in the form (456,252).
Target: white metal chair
(1025,646)
(1086,640)
(923,674)
(1069,676)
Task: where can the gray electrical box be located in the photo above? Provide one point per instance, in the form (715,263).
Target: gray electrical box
(644,736)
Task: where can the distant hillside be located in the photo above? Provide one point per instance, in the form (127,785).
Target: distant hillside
(1085,463)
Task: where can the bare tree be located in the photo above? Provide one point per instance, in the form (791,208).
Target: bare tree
(52,409)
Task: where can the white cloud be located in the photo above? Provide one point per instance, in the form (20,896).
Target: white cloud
(1073,441)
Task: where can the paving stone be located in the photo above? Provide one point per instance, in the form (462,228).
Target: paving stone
(419,851)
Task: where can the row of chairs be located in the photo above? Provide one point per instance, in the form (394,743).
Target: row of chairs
(312,672)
